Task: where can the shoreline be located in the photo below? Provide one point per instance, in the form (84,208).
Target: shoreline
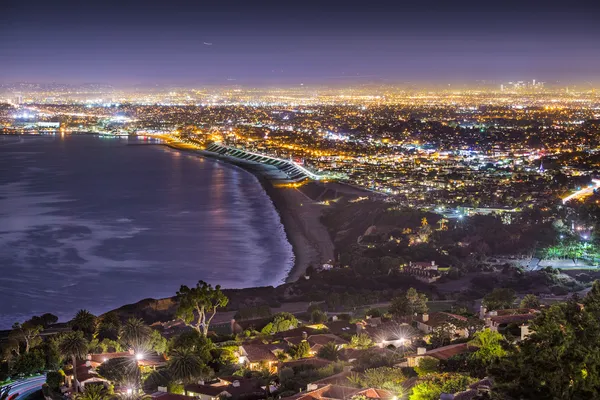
(310,240)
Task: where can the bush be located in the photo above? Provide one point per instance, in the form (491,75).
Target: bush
(54,380)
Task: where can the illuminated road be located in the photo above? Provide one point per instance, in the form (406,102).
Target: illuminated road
(587,191)
(26,387)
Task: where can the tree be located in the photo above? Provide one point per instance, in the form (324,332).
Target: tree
(530,301)
(489,346)
(361,341)
(318,317)
(73,345)
(198,306)
(85,322)
(54,380)
(27,334)
(157,342)
(193,342)
(417,302)
(427,365)
(442,334)
(302,350)
(399,306)
(559,360)
(383,378)
(267,379)
(282,322)
(136,334)
(409,303)
(121,370)
(184,365)
(44,320)
(93,392)
(30,363)
(499,298)
(431,386)
(329,351)
(109,327)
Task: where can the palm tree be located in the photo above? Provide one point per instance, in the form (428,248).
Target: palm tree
(184,365)
(136,334)
(93,392)
(84,321)
(73,345)
(329,351)
(268,378)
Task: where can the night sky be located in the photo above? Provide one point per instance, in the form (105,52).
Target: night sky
(292,42)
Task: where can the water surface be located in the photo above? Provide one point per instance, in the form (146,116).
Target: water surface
(95,223)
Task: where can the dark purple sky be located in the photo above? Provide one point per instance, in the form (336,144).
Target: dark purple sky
(289,42)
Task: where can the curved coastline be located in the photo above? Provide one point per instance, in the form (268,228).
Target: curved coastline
(307,250)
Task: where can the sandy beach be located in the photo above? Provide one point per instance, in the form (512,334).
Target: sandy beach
(300,217)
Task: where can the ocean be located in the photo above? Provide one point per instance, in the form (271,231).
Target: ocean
(95,223)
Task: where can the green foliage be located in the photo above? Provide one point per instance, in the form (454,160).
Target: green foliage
(198,305)
(409,303)
(373,313)
(329,351)
(374,359)
(93,392)
(30,363)
(54,380)
(427,365)
(302,350)
(26,336)
(294,379)
(383,378)
(361,341)
(560,359)
(186,366)
(192,342)
(442,334)
(44,320)
(281,322)
(530,301)
(85,322)
(432,386)
(156,379)
(73,345)
(489,346)
(121,370)
(175,388)
(318,317)
(499,298)
(110,346)
(158,342)
(136,334)
(109,327)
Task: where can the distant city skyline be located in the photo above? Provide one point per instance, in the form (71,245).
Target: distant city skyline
(151,42)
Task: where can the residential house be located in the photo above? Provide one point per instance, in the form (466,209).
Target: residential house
(441,353)
(498,320)
(86,374)
(391,333)
(233,387)
(423,271)
(163,395)
(316,342)
(338,392)
(428,323)
(341,327)
(258,356)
